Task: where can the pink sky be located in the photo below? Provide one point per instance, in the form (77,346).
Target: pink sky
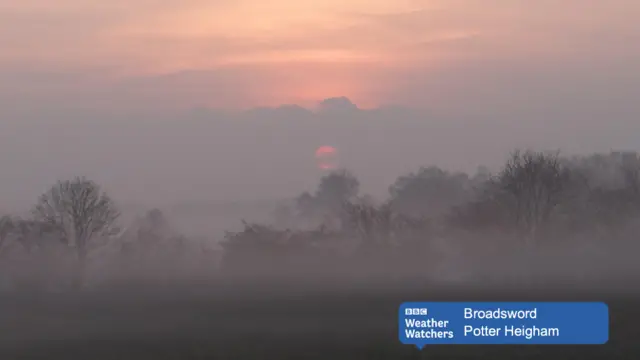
(295,51)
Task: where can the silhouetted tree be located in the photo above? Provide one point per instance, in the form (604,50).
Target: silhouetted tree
(535,184)
(613,196)
(263,250)
(373,225)
(429,192)
(79,210)
(152,228)
(336,188)
(36,234)
(6,228)
(630,168)
(333,191)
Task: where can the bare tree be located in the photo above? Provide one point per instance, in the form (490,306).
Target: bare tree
(34,235)
(374,225)
(536,183)
(630,168)
(6,227)
(80,211)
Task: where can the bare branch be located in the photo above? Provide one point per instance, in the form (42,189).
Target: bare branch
(79,210)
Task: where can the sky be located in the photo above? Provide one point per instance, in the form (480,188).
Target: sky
(139,94)
(302,51)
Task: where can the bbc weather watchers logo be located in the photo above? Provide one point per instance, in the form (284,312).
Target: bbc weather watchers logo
(415,311)
(435,323)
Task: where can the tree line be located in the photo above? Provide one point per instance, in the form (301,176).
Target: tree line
(536,200)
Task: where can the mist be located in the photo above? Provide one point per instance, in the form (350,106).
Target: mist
(183,226)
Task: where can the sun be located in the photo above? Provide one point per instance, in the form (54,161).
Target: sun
(326,157)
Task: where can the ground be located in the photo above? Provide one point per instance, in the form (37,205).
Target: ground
(322,322)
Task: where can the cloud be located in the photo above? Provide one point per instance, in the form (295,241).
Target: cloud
(300,51)
(180,36)
(72,33)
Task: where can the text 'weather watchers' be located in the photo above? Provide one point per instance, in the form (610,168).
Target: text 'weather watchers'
(433,323)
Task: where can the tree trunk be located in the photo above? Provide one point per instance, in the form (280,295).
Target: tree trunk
(79,273)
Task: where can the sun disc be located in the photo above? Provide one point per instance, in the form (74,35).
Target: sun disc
(326,157)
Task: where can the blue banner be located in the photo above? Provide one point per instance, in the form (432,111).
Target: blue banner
(439,323)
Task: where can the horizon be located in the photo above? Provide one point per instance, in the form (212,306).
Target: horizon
(110,147)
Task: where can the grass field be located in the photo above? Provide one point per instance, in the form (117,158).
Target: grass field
(285,321)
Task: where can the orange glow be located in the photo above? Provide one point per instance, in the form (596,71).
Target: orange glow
(267,53)
(327,157)
(325,150)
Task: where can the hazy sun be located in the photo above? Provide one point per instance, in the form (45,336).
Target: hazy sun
(327,157)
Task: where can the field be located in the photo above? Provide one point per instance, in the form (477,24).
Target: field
(274,321)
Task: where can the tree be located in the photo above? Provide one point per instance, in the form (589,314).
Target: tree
(630,168)
(333,191)
(31,235)
(535,183)
(80,211)
(153,227)
(373,224)
(336,188)
(6,227)
(429,192)
(613,192)
(263,250)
